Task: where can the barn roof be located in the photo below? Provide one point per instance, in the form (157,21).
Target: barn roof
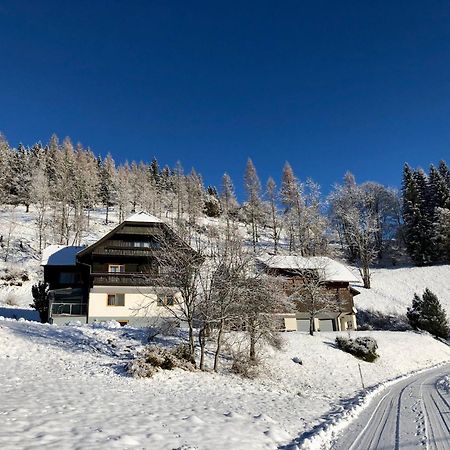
(332,269)
(60,255)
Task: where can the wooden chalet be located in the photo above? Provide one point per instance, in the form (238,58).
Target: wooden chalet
(116,278)
(330,279)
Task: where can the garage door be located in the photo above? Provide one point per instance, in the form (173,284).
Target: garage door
(303,325)
(326,325)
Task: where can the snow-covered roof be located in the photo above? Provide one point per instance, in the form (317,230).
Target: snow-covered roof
(143,217)
(60,255)
(332,270)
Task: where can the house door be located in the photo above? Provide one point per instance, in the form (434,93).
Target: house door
(326,325)
(303,325)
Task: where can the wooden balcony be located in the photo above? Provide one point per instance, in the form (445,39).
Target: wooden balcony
(124,279)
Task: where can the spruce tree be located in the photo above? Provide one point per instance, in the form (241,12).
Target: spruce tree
(427,314)
(434,318)
(417,226)
(414,312)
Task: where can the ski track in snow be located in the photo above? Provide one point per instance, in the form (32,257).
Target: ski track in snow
(414,413)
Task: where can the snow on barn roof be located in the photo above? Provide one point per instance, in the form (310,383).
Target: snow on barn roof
(333,270)
(143,217)
(60,255)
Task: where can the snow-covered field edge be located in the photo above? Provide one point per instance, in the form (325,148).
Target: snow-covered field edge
(323,435)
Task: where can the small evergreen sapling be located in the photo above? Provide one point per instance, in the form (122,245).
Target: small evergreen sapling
(40,300)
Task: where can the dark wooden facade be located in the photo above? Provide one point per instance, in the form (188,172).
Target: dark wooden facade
(126,256)
(339,293)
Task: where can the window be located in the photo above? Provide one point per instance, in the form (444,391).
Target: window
(141,244)
(165,300)
(116,299)
(116,268)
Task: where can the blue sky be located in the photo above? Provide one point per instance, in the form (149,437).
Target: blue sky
(329,86)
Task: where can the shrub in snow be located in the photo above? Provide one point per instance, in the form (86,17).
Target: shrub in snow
(426,313)
(154,358)
(14,275)
(363,347)
(245,366)
(40,300)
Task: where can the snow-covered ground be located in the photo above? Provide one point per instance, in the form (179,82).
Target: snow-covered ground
(65,387)
(393,289)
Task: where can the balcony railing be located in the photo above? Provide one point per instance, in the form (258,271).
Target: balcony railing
(124,279)
(69,309)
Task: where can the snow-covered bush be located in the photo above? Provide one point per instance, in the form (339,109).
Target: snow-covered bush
(15,275)
(245,366)
(154,358)
(363,347)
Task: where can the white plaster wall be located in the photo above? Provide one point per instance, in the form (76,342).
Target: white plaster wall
(137,304)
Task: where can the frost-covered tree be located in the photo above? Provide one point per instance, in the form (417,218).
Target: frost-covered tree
(108,188)
(20,177)
(6,156)
(272,198)
(228,202)
(63,191)
(253,206)
(123,190)
(194,197)
(293,202)
(357,220)
(40,195)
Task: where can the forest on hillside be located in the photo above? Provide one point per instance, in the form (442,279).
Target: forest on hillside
(366,221)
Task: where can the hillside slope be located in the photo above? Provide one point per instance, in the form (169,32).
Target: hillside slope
(393,289)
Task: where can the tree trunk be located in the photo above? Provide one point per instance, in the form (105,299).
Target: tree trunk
(252,344)
(366,277)
(311,326)
(107,212)
(218,346)
(201,341)
(191,340)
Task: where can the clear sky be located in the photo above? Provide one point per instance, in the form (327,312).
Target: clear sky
(328,85)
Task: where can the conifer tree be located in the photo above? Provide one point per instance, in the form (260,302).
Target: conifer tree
(271,189)
(228,202)
(416,216)
(5,170)
(108,191)
(212,202)
(253,205)
(427,314)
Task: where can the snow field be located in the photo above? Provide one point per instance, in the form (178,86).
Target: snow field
(64,387)
(393,289)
